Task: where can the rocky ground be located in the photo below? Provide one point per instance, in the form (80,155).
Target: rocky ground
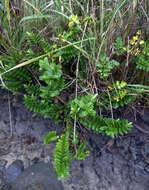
(26,164)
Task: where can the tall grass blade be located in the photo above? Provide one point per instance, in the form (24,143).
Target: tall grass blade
(8,10)
(33,17)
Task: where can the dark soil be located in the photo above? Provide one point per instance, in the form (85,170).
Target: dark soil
(119,164)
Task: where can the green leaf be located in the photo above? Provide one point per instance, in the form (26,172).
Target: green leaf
(62,157)
(81,151)
(33,17)
(50,137)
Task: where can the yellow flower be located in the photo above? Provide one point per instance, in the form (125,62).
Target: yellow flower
(110,87)
(122,94)
(141,42)
(116,98)
(87,153)
(139,32)
(73,19)
(132,42)
(130,51)
(71,24)
(135,38)
(137,51)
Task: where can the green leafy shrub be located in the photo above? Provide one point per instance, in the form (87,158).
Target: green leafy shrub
(83,108)
(51,75)
(62,154)
(119,96)
(105,66)
(70,63)
(142,60)
(119,48)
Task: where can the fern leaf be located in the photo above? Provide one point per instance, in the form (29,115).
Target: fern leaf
(61,156)
(107,126)
(33,38)
(50,137)
(32,103)
(32,89)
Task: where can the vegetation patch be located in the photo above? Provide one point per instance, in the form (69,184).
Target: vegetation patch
(76,62)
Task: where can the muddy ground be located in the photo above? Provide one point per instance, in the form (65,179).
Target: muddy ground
(26,164)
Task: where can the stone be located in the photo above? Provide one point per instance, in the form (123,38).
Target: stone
(147,169)
(3,162)
(35,160)
(35,187)
(13,171)
(39,173)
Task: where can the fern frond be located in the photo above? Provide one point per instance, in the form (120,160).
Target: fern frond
(107,126)
(116,127)
(43,107)
(45,46)
(93,123)
(50,137)
(32,89)
(32,38)
(32,103)
(16,79)
(62,157)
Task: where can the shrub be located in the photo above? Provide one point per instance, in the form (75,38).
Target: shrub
(73,64)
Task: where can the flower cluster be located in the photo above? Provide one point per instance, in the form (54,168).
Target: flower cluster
(119,89)
(73,19)
(120,95)
(135,44)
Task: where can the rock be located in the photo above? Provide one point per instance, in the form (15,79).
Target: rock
(3,162)
(147,169)
(146,158)
(145,116)
(13,171)
(2,172)
(35,160)
(35,187)
(38,175)
(2,168)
